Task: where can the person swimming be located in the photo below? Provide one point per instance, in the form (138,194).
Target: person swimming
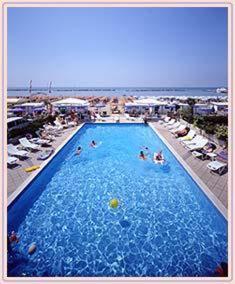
(142,156)
(93,144)
(158,157)
(79,150)
(13,238)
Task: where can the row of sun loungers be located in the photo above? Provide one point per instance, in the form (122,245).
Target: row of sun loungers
(23,150)
(198,145)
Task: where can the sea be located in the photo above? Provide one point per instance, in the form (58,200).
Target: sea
(118,91)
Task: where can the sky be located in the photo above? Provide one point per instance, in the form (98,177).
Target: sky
(117,47)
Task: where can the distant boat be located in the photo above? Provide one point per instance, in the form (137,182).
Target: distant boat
(221,90)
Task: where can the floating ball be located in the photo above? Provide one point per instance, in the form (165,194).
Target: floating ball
(114,203)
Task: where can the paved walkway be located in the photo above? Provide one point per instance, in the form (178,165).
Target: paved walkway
(216,183)
(16,176)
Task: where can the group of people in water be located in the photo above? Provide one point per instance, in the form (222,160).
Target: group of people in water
(158,158)
(93,144)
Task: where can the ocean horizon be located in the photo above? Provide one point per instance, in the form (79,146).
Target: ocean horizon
(117,91)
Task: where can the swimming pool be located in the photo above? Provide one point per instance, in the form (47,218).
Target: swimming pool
(164,225)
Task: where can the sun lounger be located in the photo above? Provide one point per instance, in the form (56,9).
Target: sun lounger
(171,122)
(175,125)
(13,151)
(217,166)
(46,154)
(128,117)
(28,145)
(98,117)
(181,127)
(59,125)
(165,120)
(40,141)
(11,160)
(197,146)
(193,141)
(189,136)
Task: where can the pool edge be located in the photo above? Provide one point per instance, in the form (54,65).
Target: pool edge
(216,202)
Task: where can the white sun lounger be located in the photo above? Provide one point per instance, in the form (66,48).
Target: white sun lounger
(199,145)
(217,166)
(189,136)
(165,120)
(98,117)
(128,117)
(28,145)
(180,128)
(171,122)
(175,125)
(11,160)
(13,151)
(59,125)
(195,140)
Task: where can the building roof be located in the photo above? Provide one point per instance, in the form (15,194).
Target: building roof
(14,100)
(11,119)
(31,105)
(71,102)
(146,102)
(220,103)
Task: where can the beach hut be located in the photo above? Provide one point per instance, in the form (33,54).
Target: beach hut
(71,104)
(149,105)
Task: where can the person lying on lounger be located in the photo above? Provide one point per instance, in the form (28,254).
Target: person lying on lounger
(158,158)
(182,133)
(142,156)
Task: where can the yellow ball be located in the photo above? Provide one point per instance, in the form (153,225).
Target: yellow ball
(113,203)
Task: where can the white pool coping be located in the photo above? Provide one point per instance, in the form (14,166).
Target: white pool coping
(216,202)
(21,188)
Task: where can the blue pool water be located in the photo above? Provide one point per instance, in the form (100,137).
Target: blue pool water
(164,225)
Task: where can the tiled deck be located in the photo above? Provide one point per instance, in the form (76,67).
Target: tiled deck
(16,176)
(217,184)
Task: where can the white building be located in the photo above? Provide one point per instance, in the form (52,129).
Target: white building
(29,107)
(69,104)
(220,107)
(151,106)
(202,109)
(16,122)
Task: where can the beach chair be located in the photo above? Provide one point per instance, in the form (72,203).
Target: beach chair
(11,160)
(99,118)
(28,145)
(174,126)
(128,117)
(171,122)
(197,146)
(217,166)
(39,141)
(193,141)
(59,125)
(165,120)
(205,153)
(181,127)
(189,136)
(13,151)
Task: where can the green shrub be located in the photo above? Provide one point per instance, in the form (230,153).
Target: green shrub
(221,132)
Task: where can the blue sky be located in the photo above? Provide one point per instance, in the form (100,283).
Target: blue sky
(102,47)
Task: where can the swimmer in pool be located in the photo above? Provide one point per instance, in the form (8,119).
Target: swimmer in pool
(142,156)
(158,158)
(13,238)
(79,150)
(93,144)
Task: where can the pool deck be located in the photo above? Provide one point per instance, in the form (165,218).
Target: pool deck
(218,185)
(17,176)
